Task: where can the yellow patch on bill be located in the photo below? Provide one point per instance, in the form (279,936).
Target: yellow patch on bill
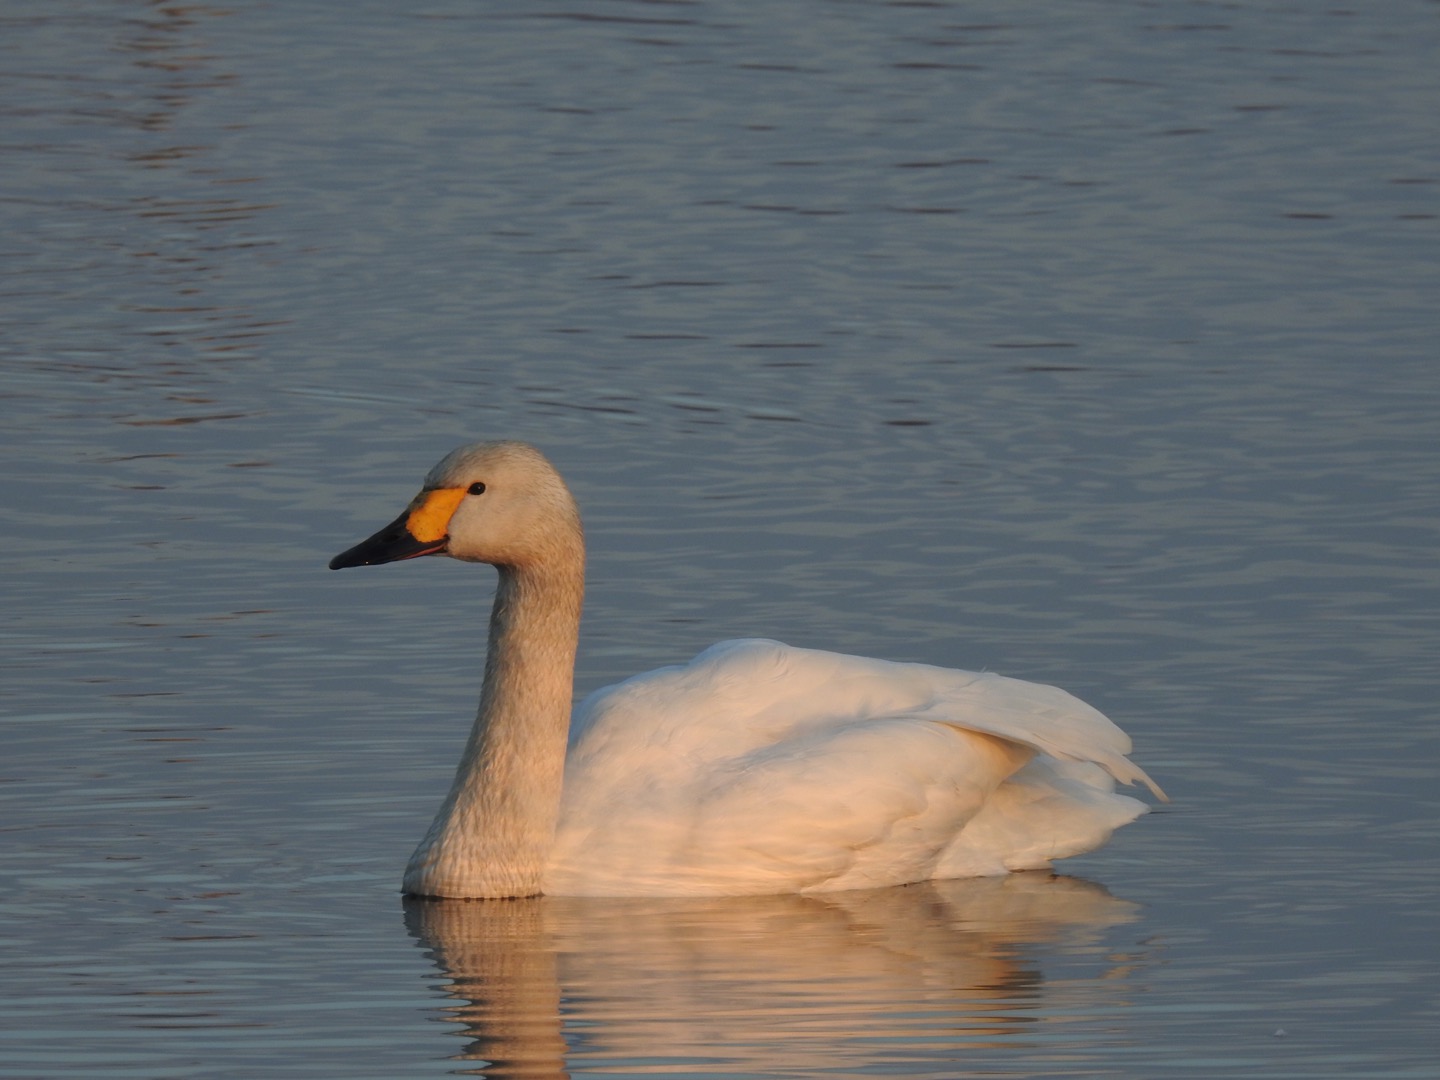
(430,518)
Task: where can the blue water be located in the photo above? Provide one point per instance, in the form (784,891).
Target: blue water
(1094,346)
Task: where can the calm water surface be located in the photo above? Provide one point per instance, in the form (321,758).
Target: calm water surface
(1093,346)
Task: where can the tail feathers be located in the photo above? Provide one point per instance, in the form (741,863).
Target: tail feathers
(1127,772)
(1050,809)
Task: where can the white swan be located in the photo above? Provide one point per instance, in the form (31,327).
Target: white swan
(755,768)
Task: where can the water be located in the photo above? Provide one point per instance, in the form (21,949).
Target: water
(1093,347)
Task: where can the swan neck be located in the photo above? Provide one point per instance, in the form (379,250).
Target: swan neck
(494,833)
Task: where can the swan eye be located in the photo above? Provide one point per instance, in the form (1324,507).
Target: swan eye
(476,488)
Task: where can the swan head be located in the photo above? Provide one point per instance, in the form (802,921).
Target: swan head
(501,503)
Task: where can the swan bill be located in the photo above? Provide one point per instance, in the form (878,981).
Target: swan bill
(393,543)
(423,529)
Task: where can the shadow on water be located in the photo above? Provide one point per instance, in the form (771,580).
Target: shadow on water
(766,984)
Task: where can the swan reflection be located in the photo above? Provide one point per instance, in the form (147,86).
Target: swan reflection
(813,983)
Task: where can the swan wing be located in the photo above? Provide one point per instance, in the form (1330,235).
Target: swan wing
(758,767)
(743,694)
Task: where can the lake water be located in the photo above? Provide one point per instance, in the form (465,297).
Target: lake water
(1094,344)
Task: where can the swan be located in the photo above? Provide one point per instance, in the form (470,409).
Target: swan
(756,768)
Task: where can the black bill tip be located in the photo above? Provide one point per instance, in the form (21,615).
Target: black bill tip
(393,543)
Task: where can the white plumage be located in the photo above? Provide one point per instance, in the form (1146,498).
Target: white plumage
(755,768)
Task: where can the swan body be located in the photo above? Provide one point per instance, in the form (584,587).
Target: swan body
(755,768)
